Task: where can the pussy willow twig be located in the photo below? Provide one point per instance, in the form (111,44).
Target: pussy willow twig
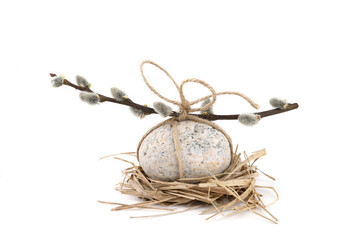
(148,110)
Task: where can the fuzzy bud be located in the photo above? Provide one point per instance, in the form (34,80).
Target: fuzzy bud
(209,110)
(82,82)
(57,81)
(249,119)
(118,94)
(162,109)
(137,112)
(278,103)
(89,97)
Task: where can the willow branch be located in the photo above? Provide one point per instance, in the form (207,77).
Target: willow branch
(213,117)
(148,110)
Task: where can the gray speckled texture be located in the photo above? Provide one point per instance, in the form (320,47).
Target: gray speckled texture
(203,149)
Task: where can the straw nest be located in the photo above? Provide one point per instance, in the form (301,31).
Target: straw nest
(228,193)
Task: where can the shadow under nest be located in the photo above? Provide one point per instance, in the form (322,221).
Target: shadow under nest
(230,192)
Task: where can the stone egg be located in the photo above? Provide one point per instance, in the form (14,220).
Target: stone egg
(203,148)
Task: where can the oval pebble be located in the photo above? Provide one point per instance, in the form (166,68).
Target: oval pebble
(204,150)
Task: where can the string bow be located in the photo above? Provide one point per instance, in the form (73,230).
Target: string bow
(184,104)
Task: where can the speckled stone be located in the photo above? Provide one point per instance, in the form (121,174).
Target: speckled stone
(204,149)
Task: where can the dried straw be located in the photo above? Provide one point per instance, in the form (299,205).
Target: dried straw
(231,192)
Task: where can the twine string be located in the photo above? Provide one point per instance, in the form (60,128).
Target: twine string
(184,104)
(185,108)
(175,134)
(152,88)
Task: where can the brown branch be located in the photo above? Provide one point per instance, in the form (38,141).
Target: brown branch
(149,110)
(213,117)
(103,98)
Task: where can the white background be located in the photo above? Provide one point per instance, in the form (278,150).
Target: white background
(305,51)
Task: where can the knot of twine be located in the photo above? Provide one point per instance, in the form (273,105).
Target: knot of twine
(184,104)
(184,110)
